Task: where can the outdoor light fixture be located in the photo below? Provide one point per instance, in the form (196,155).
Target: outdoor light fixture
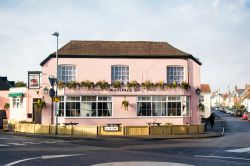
(198,91)
(45,90)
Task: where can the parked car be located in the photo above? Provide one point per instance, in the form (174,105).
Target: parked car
(232,112)
(245,116)
(228,111)
(238,113)
(248,118)
(223,110)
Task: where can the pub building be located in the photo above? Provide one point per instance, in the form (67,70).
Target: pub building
(122,82)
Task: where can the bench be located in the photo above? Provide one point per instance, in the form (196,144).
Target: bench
(71,124)
(114,124)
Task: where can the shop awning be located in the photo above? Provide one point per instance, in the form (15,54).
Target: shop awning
(15,94)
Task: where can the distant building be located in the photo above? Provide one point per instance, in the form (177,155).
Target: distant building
(216,99)
(205,99)
(246,97)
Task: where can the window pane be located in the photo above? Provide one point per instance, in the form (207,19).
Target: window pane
(144,109)
(120,73)
(73,109)
(175,73)
(66,73)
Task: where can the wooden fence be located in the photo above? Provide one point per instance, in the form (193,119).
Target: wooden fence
(122,130)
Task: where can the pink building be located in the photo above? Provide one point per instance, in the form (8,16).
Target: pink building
(147,82)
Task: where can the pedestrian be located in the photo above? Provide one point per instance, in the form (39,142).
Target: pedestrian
(211,120)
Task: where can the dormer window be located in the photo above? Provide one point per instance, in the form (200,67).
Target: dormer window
(120,73)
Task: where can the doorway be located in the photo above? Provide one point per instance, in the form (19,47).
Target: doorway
(37,114)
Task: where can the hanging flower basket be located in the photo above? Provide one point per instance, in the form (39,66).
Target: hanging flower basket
(125,104)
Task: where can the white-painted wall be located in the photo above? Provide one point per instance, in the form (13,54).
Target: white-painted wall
(246,103)
(18,114)
(207,104)
(216,101)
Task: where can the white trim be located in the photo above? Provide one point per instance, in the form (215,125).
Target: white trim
(184,72)
(142,117)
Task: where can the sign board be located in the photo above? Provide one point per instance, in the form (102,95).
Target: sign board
(56,99)
(111,128)
(52,93)
(34,79)
(52,81)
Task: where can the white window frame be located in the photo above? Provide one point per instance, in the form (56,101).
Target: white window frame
(174,66)
(113,75)
(60,76)
(110,100)
(17,102)
(183,100)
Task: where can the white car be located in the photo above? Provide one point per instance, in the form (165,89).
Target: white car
(228,111)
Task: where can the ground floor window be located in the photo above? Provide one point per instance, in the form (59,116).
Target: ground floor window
(17,102)
(85,106)
(163,105)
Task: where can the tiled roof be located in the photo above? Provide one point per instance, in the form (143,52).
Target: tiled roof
(125,49)
(225,96)
(5,84)
(247,94)
(205,88)
(240,91)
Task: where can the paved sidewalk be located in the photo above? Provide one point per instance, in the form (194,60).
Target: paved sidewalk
(218,127)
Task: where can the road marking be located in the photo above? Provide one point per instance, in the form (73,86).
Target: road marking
(19,161)
(3,145)
(221,157)
(17,144)
(3,138)
(48,142)
(32,143)
(42,157)
(241,150)
(139,163)
(59,141)
(59,156)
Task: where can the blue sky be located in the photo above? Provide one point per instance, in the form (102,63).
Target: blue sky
(215,31)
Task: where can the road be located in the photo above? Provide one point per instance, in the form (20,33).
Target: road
(233,149)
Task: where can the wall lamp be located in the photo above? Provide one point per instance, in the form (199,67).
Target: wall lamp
(198,91)
(45,90)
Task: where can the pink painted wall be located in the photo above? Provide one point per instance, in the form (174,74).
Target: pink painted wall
(4,99)
(95,69)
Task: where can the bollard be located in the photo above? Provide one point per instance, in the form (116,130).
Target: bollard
(5,125)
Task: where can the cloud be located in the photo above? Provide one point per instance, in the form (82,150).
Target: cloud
(215,31)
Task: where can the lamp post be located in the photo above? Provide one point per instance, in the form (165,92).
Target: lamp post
(56,109)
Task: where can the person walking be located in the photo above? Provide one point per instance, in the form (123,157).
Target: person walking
(211,120)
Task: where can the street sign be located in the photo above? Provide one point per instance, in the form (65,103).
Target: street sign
(52,81)
(111,128)
(52,92)
(56,99)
